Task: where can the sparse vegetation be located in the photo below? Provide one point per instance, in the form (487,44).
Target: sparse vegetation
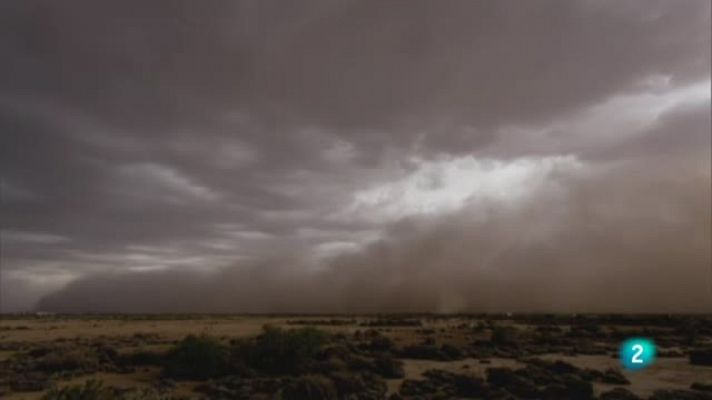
(280,351)
(702,356)
(91,390)
(196,358)
(504,335)
(311,387)
(94,389)
(68,358)
(144,357)
(338,362)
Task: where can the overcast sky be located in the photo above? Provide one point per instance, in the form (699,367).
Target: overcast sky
(360,156)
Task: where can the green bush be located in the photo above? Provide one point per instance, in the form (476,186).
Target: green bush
(195,358)
(311,387)
(278,351)
(91,390)
(67,358)
(94,389)
(504,335)
(144,357)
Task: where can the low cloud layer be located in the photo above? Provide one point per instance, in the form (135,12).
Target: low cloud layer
(356,156)
(641,245)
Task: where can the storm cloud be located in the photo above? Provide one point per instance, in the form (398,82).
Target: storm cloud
(356,156)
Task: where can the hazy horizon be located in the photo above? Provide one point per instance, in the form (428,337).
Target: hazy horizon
(356,156)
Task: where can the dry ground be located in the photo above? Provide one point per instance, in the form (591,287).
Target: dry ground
(18,335)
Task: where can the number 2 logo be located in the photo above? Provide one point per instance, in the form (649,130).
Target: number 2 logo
(638,349)
(637,353)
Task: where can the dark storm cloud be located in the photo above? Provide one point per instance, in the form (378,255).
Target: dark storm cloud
(349,64)
(180,136)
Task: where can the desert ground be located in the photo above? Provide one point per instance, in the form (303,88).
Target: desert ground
(350,357)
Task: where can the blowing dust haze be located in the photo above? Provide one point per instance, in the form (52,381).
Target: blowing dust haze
(355,156)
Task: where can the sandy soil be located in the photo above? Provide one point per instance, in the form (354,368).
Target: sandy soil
(667,373)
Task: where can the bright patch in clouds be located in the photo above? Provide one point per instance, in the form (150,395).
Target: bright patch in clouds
(12,236)
(631,114)
(616,119)
(155,181)
(448,185)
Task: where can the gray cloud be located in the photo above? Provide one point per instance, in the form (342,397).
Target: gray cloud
(558,254)
(243,146)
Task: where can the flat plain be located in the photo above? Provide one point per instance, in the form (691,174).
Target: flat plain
(350,357)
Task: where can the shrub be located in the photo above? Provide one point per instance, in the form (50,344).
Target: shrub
(381,344)
(91,390)
(30,381)
(577,388)
(195,357)
(94,389)
(451,351)
(702,356)
(389,367)
(311,387)
(144,357)
(423,352)
(66,358)
(278,351)
(504,335)
(469,386)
